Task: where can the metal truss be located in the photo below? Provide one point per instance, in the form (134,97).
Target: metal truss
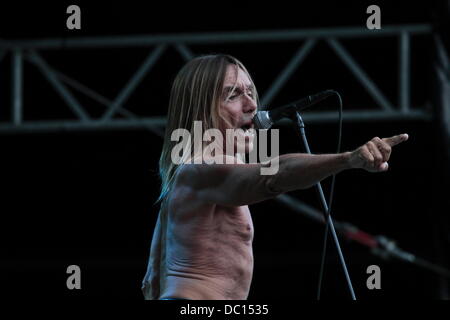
(21,51)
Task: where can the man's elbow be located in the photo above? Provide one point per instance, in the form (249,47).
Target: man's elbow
(272,187)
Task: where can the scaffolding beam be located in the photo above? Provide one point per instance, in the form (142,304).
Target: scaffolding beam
(181,43)
(216,37)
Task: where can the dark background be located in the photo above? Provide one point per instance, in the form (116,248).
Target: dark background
(87,198)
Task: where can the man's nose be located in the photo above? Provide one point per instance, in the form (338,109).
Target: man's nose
(249,105)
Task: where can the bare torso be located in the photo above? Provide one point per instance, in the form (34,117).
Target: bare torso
(208,250)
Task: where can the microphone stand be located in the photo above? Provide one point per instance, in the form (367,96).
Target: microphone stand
(301,131)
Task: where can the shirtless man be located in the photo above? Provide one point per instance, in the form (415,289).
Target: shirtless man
(202,243)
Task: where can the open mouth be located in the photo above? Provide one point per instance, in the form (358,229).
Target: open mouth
(247,127)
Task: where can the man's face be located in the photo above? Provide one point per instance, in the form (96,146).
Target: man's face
(238,105)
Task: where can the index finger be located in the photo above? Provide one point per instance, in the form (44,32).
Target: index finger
(395,140)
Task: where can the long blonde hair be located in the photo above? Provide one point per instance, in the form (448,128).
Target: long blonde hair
(195,96)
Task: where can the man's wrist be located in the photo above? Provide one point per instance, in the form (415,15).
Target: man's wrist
(346,160)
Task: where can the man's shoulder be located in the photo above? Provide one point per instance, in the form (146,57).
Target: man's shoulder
(187,181)
(187,193)
(195,174)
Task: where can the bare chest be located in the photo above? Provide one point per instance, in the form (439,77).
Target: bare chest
(236,223)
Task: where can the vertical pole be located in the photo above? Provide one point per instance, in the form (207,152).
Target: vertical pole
(404,70)
(17,89)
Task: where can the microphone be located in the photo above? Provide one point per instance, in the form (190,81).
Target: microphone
(266,119)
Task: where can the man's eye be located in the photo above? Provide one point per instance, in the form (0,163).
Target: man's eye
(232,96)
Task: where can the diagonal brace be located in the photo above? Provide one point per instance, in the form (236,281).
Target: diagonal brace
(184,51)
(295,61)
(59,87)
(359,73)
(134,81)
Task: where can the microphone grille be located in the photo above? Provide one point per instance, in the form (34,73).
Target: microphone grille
(262,120)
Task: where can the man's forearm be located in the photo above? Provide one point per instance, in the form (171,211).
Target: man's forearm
(243,184)
(301,171)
